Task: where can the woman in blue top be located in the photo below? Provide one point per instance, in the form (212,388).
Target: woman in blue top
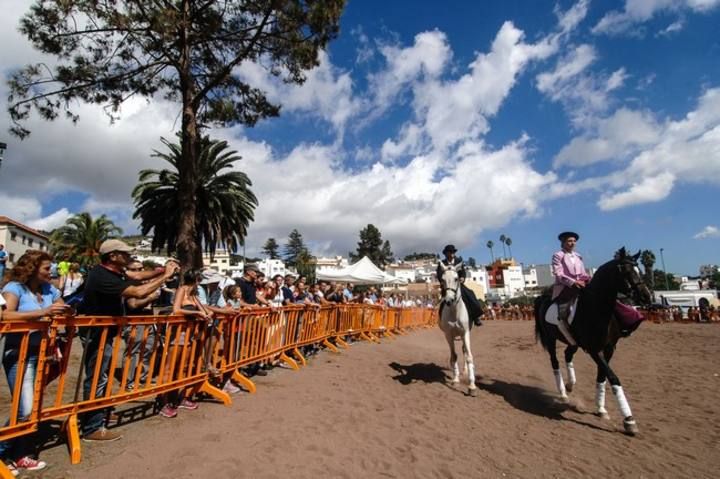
(29,296)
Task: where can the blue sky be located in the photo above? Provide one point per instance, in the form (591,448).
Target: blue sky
(453,123)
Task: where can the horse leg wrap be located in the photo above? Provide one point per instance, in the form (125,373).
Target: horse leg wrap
(622,401)
(600,398)
(559,383)
(571,374)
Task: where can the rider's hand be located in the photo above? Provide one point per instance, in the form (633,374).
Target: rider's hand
(579,284)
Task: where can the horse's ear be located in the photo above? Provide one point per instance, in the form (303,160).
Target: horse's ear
(458,266)
(621,253)
(636,256)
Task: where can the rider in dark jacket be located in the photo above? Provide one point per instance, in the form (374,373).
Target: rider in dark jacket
(471,302)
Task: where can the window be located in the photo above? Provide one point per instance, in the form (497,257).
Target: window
(24,239)
(13,235)
(12,257)
(30,242)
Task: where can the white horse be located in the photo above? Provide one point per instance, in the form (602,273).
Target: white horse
(455,323)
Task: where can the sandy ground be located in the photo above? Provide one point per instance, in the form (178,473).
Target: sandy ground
(387,411)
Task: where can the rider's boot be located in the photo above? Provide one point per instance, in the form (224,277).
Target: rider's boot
(563,326)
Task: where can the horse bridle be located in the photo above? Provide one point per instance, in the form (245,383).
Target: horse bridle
(631,284)
(454,290)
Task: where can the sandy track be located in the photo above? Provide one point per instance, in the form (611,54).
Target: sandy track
(386,411)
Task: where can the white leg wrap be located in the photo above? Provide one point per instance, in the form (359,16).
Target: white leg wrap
(471,374)
(622,401)
(600,398)
(559,383)
(456,372)
(571,373)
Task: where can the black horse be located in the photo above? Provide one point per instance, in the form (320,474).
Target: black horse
(596,329)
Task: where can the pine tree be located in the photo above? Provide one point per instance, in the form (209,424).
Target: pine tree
(106,52)
(386,254)
(271,248)
(370,245)
(294,248)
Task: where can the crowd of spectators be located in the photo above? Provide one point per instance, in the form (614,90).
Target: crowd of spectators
(38,287)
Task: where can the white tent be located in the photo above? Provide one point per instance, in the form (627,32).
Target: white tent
(362,272)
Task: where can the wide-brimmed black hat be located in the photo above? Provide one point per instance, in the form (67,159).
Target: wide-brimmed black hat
(568,234)
(450,248)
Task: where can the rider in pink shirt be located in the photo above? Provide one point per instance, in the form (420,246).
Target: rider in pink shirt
(570,278)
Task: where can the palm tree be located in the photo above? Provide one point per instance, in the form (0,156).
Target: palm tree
(647,258)
(490,245)
(225,203)
(502,241)
(508,242)
(79,239)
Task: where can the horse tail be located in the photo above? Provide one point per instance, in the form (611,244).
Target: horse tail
(540,332)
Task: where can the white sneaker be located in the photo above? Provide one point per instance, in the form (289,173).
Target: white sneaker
(230,388)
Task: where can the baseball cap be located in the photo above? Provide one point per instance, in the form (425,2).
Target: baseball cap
(108,246)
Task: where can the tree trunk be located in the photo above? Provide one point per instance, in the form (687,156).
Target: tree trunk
(188,248)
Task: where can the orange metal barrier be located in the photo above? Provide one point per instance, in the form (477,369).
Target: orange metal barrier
(147,356)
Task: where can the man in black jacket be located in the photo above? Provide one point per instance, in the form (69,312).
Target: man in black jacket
(471,302)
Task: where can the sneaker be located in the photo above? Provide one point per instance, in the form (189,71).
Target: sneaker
(188,404)
(168,411)
(230,388)
(13,470)
(29,464)
(103,435)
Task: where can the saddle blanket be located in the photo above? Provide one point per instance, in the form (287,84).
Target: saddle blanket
(551,315)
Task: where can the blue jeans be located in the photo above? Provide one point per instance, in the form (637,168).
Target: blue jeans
(133,351)
(20,446)
(93,420)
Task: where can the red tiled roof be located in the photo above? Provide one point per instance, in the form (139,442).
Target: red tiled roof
(17,224)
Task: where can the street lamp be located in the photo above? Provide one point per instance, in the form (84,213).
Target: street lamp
(3,147)
(662,258)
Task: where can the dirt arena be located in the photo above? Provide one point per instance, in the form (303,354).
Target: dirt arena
(386,411)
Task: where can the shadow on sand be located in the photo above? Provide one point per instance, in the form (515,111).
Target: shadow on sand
(424,372)
(534,401)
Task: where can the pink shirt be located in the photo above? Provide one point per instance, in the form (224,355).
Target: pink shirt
(567,269)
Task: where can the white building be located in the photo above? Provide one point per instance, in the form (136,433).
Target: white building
(513,280)
(18,238)
(530,277)
(402,270)
(271,267)
(329,265)
(221,263)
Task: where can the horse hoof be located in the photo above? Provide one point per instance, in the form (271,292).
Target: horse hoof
(455,380)
(564,398)
(602,415)
(631,427)
(569,387)
(473,392)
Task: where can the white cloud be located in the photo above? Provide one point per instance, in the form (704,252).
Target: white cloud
(569,20)
(674,27)
(582,93)
(638,11)
(29,211)
(618,136)
(327,92)
(646,191)
(655,155)
(329,204)
(708,232)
